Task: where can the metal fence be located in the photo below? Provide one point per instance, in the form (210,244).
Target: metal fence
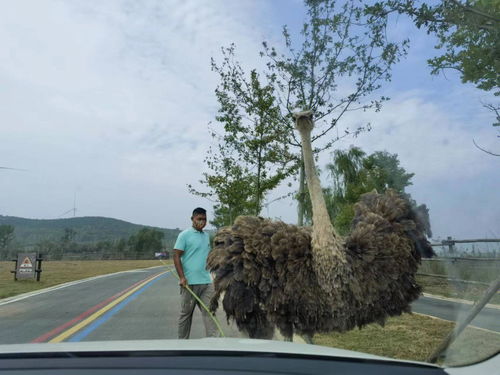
(450,243)
(462,269)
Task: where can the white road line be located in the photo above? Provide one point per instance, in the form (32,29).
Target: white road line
(20,297)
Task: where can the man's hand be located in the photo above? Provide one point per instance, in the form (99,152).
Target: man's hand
(178,267)
(183,282)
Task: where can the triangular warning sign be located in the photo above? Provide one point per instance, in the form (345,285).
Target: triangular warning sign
(26,263)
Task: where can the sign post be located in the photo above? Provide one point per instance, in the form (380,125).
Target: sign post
(28,265)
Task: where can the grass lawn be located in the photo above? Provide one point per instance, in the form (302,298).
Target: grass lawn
(414,337)
(58,272)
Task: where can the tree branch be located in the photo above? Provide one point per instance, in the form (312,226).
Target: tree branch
(470,9)
(482,149)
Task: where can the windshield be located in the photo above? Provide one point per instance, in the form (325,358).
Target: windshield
(308,171)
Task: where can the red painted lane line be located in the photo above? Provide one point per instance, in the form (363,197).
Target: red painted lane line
(82,316)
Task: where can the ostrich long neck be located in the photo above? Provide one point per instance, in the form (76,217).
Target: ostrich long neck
(328,257)
(321,219)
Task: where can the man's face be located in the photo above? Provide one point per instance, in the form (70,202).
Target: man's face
(199,221)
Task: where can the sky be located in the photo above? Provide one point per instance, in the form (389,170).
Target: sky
(109,102)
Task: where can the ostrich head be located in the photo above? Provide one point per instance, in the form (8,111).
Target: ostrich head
(326,245)
(304,122)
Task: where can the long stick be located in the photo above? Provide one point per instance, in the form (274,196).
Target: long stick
(214,318)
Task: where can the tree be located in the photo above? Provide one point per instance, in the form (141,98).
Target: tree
(6,235)
(468,32)
(146,242)
(354,173)
(251,157)
(229,186)
(340,47)
(51,250)
(68,236)
(382,171)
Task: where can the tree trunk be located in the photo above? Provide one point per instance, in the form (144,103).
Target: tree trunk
(258,192)
(301,195)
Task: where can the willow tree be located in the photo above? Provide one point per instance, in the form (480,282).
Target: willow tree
(352,173)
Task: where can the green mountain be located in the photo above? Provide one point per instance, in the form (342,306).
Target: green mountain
(90,229)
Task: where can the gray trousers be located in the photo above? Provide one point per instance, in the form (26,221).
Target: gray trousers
(188,303)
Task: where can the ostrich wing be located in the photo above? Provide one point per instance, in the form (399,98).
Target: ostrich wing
(384,247)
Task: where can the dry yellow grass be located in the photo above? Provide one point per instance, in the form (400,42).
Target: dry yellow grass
(58,272)
(414,337)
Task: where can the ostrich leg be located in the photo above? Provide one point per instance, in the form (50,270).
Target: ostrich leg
(308,338)
(286,330)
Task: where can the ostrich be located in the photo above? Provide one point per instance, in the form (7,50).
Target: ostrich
(308,280)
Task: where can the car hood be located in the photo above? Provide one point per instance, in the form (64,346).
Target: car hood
(206,344)
(223,345)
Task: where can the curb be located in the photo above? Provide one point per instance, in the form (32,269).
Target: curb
(458,300)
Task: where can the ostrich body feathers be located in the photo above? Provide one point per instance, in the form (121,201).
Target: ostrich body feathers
(265,271)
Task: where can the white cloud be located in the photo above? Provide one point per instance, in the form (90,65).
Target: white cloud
(432,141)
(112,98)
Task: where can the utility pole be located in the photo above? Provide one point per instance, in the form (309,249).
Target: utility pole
(74,205)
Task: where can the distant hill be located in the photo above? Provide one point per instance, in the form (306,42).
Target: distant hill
(88,229)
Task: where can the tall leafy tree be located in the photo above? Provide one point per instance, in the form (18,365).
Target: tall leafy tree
(252,156)
(340,58)
(146,242)
(230,188)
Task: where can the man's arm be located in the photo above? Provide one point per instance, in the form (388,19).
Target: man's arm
(178,267)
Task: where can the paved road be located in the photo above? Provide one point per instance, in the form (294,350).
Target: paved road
(134,305)
(488,318)
(149,312)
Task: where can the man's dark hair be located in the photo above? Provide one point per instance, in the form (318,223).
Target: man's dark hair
(199,211)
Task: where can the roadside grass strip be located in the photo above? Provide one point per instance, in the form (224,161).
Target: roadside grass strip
(414,337)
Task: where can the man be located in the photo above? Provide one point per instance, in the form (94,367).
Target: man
(190,256)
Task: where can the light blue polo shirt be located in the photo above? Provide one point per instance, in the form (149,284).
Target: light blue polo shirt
(196,246)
